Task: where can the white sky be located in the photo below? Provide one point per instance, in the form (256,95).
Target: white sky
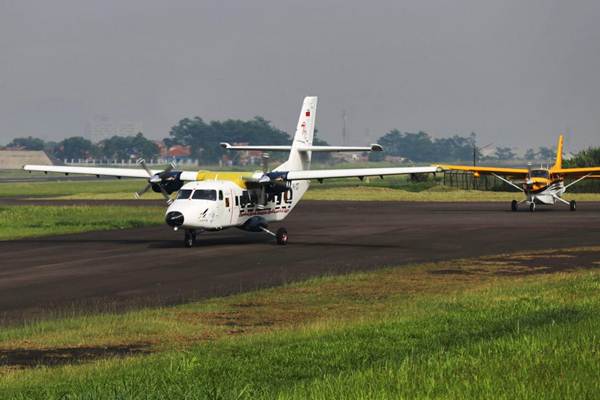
(515,72)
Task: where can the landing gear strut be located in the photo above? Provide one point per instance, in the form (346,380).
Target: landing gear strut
(281,236)
(190,238)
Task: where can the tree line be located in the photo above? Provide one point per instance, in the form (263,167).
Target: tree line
(203,139)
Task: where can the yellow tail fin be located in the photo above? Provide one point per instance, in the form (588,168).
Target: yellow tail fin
(559,153)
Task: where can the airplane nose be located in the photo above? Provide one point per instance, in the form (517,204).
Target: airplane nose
(174,219)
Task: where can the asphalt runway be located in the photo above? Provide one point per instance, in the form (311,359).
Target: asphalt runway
(117,270)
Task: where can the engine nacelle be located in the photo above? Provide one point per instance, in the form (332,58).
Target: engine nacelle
(170,182)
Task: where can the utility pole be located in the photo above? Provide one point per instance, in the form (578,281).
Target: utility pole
(344,117)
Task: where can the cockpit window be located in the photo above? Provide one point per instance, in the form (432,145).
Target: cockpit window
(184,194)
(539,173)
(204,194)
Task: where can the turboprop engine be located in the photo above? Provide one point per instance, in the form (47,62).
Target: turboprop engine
(165,182)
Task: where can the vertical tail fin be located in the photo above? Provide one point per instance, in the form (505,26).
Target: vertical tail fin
(559,153)
(305,130)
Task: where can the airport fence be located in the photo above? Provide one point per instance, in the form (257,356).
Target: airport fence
(467,181)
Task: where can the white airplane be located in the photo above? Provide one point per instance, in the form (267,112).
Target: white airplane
(214,200)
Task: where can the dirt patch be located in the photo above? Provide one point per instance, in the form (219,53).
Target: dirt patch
(528,264)
(29,358)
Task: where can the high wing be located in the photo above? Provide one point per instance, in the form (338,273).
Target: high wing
(486,170)
(99,171)
(356,172)
(576,172)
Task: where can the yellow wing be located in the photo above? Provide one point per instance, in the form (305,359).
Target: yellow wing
(578,171)
(486,170)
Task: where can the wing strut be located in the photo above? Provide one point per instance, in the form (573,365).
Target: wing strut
(577,180)
(509,182)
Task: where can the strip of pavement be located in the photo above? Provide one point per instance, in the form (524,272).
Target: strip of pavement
(118,270)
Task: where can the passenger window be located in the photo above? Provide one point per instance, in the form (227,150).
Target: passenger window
(227,202)
(220,195)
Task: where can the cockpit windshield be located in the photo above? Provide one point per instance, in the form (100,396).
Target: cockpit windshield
(184,194)
(540,173)
(204,194)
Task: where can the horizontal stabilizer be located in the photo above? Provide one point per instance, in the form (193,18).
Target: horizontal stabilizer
(372,147)
(357,172)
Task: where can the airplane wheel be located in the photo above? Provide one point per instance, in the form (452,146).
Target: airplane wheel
(189,239)
(514,205)
(532,207)
(573,205)
(282,236)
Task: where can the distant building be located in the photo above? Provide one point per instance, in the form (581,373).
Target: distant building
(102,127)
(176,151)
(15,159)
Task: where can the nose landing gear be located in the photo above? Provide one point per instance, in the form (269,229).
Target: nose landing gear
(281,236)
(190,238)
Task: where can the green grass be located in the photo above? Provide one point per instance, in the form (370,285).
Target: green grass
(390,189)
(66,188)
(29,221)
(473,332)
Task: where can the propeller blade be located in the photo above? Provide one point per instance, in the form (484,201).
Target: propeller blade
(142,162)
(144,190)
(165,194)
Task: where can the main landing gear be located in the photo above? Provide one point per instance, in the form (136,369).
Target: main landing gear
(281,236)
(514,205)
(573,205)
(189,238)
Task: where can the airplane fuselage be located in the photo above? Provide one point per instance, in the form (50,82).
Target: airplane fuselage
(544,190)
(219,204)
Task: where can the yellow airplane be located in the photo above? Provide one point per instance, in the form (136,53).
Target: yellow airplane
(541,186)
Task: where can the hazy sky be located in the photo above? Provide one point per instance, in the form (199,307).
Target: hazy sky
(515,72)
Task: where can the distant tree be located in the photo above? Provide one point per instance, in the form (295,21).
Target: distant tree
(204,138)
(420,147)
(126,147)
(504,153)
(75,148)
(586,158)
(27,143)
(546,153)
(530,154)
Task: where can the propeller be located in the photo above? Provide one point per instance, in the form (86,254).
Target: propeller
(155,179)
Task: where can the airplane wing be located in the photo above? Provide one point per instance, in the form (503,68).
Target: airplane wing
(356,172)
(486,170)
(576,172)
(99,171)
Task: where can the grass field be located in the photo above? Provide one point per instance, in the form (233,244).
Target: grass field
(29,221)
(393,189)
(495,327)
